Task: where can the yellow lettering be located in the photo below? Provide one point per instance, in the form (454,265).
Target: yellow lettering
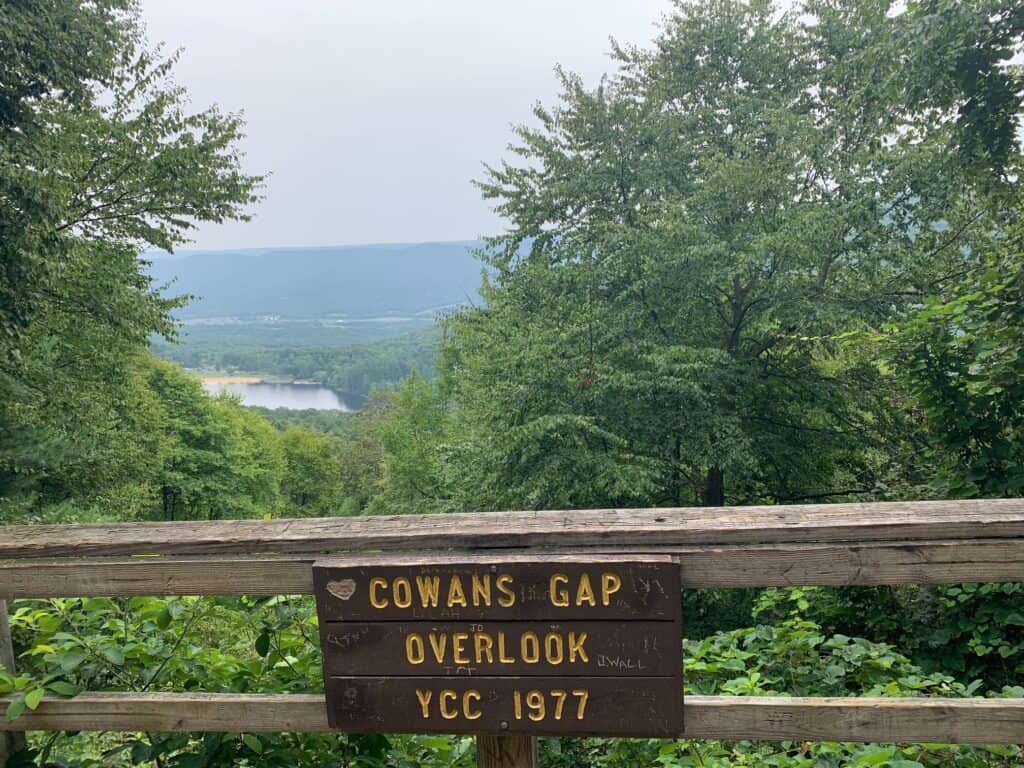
(482,589)
(437,644)
(535,703)
(610,584)
(483,644)
(424,697)
(403,592)
(560,697)
(582,694)
(447,695)
(502,657)
(455,594)
(529,647)
(504,585)
(376,601)
(559,597)
(430,590)
(553,649)
(414,650)
(459,647)
(576,647)
(467,711)
(584,592)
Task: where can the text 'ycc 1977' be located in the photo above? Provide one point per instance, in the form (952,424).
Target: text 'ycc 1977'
(557,645)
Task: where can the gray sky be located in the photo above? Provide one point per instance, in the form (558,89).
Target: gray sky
(373,115)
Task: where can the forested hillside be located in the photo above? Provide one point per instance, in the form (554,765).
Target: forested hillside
(774,256)
(272,349)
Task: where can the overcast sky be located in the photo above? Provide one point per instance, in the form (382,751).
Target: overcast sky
(374,115)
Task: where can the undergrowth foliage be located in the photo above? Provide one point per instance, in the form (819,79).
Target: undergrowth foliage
(270,645)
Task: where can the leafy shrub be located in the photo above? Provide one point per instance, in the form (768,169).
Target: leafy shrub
(270,645)
(975,631)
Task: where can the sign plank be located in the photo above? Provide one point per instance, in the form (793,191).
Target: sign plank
(563,706)
(524,648)
(634,589)
(587,644)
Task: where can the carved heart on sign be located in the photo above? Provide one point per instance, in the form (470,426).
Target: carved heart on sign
(343,589)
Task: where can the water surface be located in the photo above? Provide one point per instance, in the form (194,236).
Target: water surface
(294,396)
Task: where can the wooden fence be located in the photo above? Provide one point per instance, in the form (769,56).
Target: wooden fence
(834,544)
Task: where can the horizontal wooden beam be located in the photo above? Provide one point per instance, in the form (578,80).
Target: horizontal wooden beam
(725,526)
(886,720)
(907,562)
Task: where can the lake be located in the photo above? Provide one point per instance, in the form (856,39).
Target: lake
(294,396)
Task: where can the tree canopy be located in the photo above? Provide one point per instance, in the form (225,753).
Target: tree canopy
(100,158)
(692,241)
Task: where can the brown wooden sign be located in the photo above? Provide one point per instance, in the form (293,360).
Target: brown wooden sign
(555,645)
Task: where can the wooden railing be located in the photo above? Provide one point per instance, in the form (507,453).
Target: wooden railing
(835,544)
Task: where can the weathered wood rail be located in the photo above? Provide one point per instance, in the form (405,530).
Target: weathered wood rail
(839,544)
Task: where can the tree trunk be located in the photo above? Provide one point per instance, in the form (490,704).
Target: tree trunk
(714,488)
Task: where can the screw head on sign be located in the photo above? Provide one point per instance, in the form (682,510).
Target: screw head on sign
(503,725)
(494,569)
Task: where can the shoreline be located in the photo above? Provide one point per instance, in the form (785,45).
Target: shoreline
(232,380)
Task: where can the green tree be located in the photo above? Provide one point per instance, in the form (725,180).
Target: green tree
(413,439)
(689,243)
(219,460)
(311,485)
(195,463)
(100,158)
(362,453)
(961,362)
(255,460)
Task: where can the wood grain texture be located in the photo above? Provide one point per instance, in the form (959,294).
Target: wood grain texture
(751,565)
(508,751)
(647,587)
(608,648)
(563,706)
(984,721)
(947,721)
(1000,518)
(11,741)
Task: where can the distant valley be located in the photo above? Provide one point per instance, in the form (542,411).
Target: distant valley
(359,282)
(354,318)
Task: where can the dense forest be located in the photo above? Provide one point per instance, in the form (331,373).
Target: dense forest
(775,256)
(355,369)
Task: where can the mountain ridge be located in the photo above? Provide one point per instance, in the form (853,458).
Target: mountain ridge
(353,281)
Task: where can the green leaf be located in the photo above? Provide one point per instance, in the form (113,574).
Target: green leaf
(33,697)
(64,688)
(263,644)
(71,660)
(15,708)
(141,752)
(113,654)
(253,743)
(163,619)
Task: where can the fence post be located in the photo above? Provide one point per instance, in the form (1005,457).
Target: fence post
(509,751)
(10,741)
